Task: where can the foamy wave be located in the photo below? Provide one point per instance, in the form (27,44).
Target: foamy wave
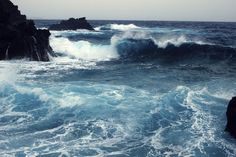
(130,35)
(162,42)
(83,49)
(177,41)
(124,27)
(8,72)
(121,27)
(66,33)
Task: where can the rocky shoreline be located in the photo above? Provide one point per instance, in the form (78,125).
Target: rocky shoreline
(19,38)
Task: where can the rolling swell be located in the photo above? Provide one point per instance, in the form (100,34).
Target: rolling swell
(147,49)
(113,97)
(136,47)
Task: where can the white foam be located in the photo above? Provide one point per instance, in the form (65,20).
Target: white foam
(124,27)
(83,49)
(162,42)
(39,92)
(66,33)
(175,40)
(69,100)
(8,72)
(120,27)
(202,123)
(129,35)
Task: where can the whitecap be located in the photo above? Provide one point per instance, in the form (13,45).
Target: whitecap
(83,49)
(120,27)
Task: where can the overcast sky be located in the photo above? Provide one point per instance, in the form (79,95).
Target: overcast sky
(181,10)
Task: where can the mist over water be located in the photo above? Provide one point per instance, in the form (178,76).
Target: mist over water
(129,89)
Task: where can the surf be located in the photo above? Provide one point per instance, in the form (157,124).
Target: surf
(157,90)
(142,46)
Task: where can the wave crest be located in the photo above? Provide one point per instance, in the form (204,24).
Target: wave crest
(83,50)
(120,27)
(141,46)
(173,49)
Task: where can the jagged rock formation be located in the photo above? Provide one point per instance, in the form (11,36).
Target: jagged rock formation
(231,117)
(19,37)
(72,24)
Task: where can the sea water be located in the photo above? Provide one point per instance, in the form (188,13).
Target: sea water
(128,89)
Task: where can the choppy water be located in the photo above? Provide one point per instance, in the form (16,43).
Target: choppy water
(130,89)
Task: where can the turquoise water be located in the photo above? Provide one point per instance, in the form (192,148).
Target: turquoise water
(130,89)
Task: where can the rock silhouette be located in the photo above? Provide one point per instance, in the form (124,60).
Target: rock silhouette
(72,24)
(231,117)
(19,38)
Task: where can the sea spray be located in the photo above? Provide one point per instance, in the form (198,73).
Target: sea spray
(83,49)
(130,105)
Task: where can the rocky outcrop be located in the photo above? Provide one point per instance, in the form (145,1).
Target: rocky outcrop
(72,24)
(231,117)
(19,37)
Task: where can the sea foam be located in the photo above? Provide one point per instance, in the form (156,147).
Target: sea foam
(83,49)
(120,27)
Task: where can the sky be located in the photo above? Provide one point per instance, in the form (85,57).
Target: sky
(167,10)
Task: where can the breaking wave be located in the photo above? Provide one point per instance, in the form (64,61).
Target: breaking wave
(120,27)
(106,94)
(82,50)
(141,47)
(147,48)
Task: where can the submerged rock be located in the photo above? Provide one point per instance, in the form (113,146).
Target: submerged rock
(19,38)
(72,24)
(231,117)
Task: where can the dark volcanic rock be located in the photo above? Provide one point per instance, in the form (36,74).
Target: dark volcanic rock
(72,24)
(231,117)
(19,37)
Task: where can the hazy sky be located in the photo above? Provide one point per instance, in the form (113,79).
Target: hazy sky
(185,10)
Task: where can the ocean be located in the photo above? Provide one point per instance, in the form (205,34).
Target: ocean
(128,89)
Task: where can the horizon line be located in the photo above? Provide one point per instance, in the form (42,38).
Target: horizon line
(141,20)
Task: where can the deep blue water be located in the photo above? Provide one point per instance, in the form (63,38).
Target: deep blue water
(129,89)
